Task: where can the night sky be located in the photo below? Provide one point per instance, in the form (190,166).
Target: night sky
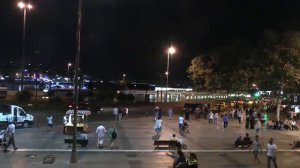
(132,36)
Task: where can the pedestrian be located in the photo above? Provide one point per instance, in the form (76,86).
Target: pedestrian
(225,120)
(271,153)
(156,109)
(180,122)
(100,131)
(112,135)
(50,122)
(157,126)
(115,113)
(11,129)
(256,148)
(126,112)
(216,117)
(120,113)
(187,114)
(257,127)
(210,117)
(170,112)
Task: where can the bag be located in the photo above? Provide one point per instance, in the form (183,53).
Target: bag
(114,134)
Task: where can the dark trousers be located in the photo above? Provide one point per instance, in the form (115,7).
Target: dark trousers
(11,141)
(273,160)
(225,124)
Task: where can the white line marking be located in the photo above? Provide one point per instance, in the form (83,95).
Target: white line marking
(146,151)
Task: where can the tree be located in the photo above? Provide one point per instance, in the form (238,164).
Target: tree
(200,72)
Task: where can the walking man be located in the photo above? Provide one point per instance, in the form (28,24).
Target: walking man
(180,122)
(115,113)
(271,153)
(256,148)
(112,135)
(210,117)
(50,122)
(100,131)
(11,133)
(225,120)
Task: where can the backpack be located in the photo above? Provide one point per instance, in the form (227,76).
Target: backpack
(114,134)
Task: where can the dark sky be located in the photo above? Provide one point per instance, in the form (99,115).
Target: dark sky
(132,36)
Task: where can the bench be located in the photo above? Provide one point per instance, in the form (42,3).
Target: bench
(82,142)
(166,144)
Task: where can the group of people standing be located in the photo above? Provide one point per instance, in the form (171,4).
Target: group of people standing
(120,113)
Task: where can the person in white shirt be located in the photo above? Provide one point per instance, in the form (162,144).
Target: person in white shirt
(115,113)
(11,133)
(210,117)
(101,132)
(216,117)
(50,122)
(271,153)
(180,122)
(157,126)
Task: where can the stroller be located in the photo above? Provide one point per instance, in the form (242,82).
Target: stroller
(3,138)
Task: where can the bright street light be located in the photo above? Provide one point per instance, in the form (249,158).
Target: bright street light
(171,51)
(24,7)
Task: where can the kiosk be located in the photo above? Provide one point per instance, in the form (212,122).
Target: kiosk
(82,124)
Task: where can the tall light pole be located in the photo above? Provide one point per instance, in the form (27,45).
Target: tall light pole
(171,51)
(73,158)
(69,64)
(24,7)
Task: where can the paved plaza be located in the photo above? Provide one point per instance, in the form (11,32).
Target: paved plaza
(134,146)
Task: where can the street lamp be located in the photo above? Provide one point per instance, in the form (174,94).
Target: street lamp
(73,158)
(124,75)
(69,64)
(24,7)
(171,51)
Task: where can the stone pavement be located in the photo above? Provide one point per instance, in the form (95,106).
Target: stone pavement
(134,146)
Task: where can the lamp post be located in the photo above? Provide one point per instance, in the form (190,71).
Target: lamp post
(73,158)
(171,51)
(69,64)
(24,7)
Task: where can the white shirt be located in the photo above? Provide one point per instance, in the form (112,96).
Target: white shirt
(180,120)
(210,115)
(115,111)
(271,149)
(157,123)
(101,131)
(11,128)
(49,119)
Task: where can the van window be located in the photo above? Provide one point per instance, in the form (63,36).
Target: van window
(22,112)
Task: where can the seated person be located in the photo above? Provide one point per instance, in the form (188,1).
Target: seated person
(270,124)
(286,125)
(179,158)
(294,125)
(238,141)
(247,138)
(83,135)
